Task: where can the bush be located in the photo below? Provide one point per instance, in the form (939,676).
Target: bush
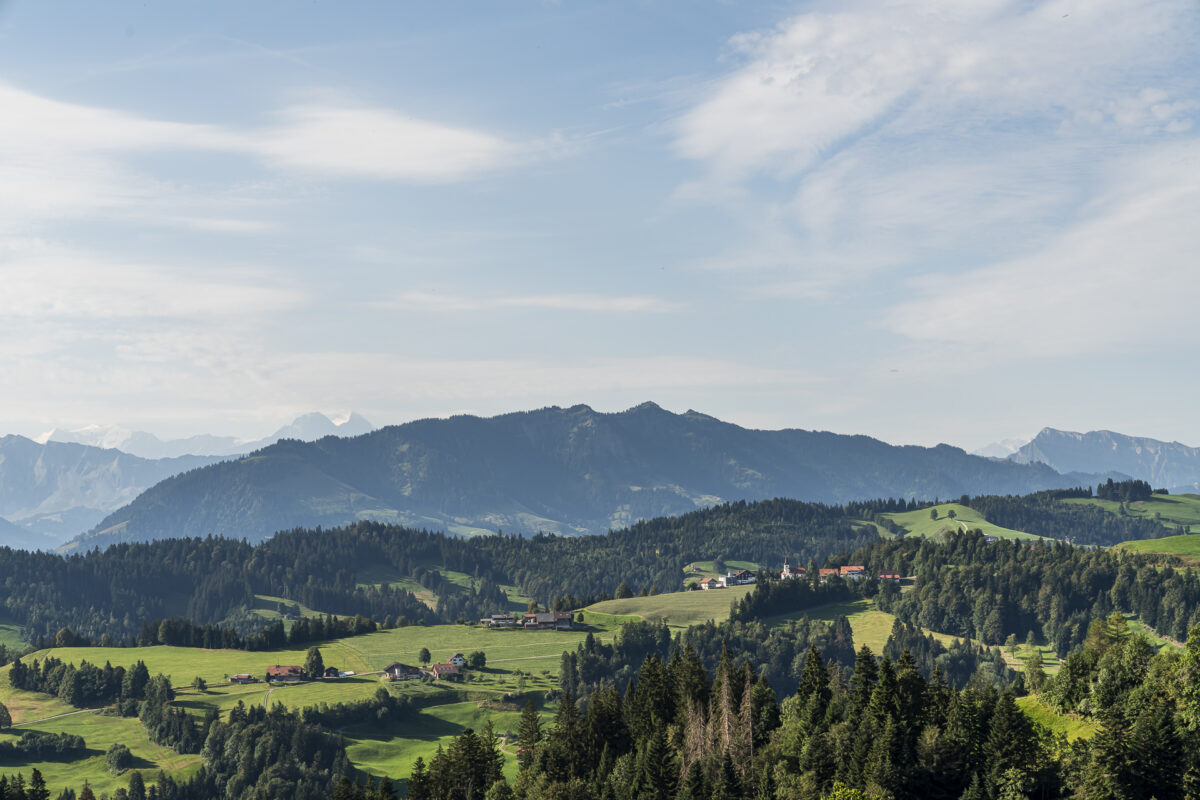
(118,758)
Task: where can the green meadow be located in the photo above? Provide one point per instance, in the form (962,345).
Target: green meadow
(1175,510)
(519,662)
(1071,725)
(919,522)
(1185,546)
(677,609)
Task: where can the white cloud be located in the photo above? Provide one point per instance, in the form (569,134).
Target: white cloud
(378,144)
(62,160)
(1122,279)
(857,138)
(448,302)
(47,281)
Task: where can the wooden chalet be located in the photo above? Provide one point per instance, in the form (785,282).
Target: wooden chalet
(739,578)
(458,660)
(243,677)
(401,672)
(288,673)
(711,583)
(446,672)
(332,672)
(555,620)
(499,621)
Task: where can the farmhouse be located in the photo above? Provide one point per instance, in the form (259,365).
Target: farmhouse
(854,573)
(792,572)
(289,673)
(556,620)
(739,578)
(894,577)
(446,672)
(711,583)
(401,672)
(458,660)
(499,621)
(242,677)
(332,672)
(825,574)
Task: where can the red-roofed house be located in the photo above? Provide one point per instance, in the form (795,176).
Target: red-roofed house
(711,583)
(826,574)
(854,573)
(446,672)
(285,673)
(792,572)
(894,577)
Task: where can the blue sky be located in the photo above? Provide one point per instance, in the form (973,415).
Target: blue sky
(925,221)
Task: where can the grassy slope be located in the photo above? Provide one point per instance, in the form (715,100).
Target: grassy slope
(677,609)
(1185,546)
(518,661)
(1179,510)
(1073,726)
(919,523)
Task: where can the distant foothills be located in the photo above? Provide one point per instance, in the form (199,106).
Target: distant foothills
(563,470)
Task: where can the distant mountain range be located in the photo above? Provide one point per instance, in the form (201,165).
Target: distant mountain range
(146,445)
(53,490)
(570,470)
(1167,465)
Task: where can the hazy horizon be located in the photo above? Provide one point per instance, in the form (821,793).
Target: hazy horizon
(921,221)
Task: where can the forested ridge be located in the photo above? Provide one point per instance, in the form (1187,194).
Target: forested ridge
(109,595)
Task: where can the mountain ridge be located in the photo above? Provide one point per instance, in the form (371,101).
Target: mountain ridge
(307,427)
(1170,465)
(566,470)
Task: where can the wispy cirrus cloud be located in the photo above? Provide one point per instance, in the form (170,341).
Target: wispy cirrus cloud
(443,302)
(856,139)
(63,159)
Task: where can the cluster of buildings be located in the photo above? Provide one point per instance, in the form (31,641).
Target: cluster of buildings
(547,621)
(737,578)
(854,572)
(452,670)
(288,673)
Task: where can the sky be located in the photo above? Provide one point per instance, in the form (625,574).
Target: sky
(924,221)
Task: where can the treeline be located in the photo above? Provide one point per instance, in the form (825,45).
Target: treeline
(39,746)
(185,633)
(681,732)
(103,597)
(85,686)
(1045,514)
(1125,491)
(989,591)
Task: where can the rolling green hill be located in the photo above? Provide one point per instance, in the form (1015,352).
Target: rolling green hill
(1186,546)
(1180,511)
(921,522)
(518,662)
(677,609)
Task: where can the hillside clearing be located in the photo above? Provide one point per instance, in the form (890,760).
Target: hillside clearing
(920,522)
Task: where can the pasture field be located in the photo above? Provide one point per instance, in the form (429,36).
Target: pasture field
(519,662)
(1185,546)
(1073,726)
(1174,510)
(677,609)
(458,582)
(390,747)
(918,523)
(10,635)
(41,713)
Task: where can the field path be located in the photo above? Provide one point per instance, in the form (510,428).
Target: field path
(56,716)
